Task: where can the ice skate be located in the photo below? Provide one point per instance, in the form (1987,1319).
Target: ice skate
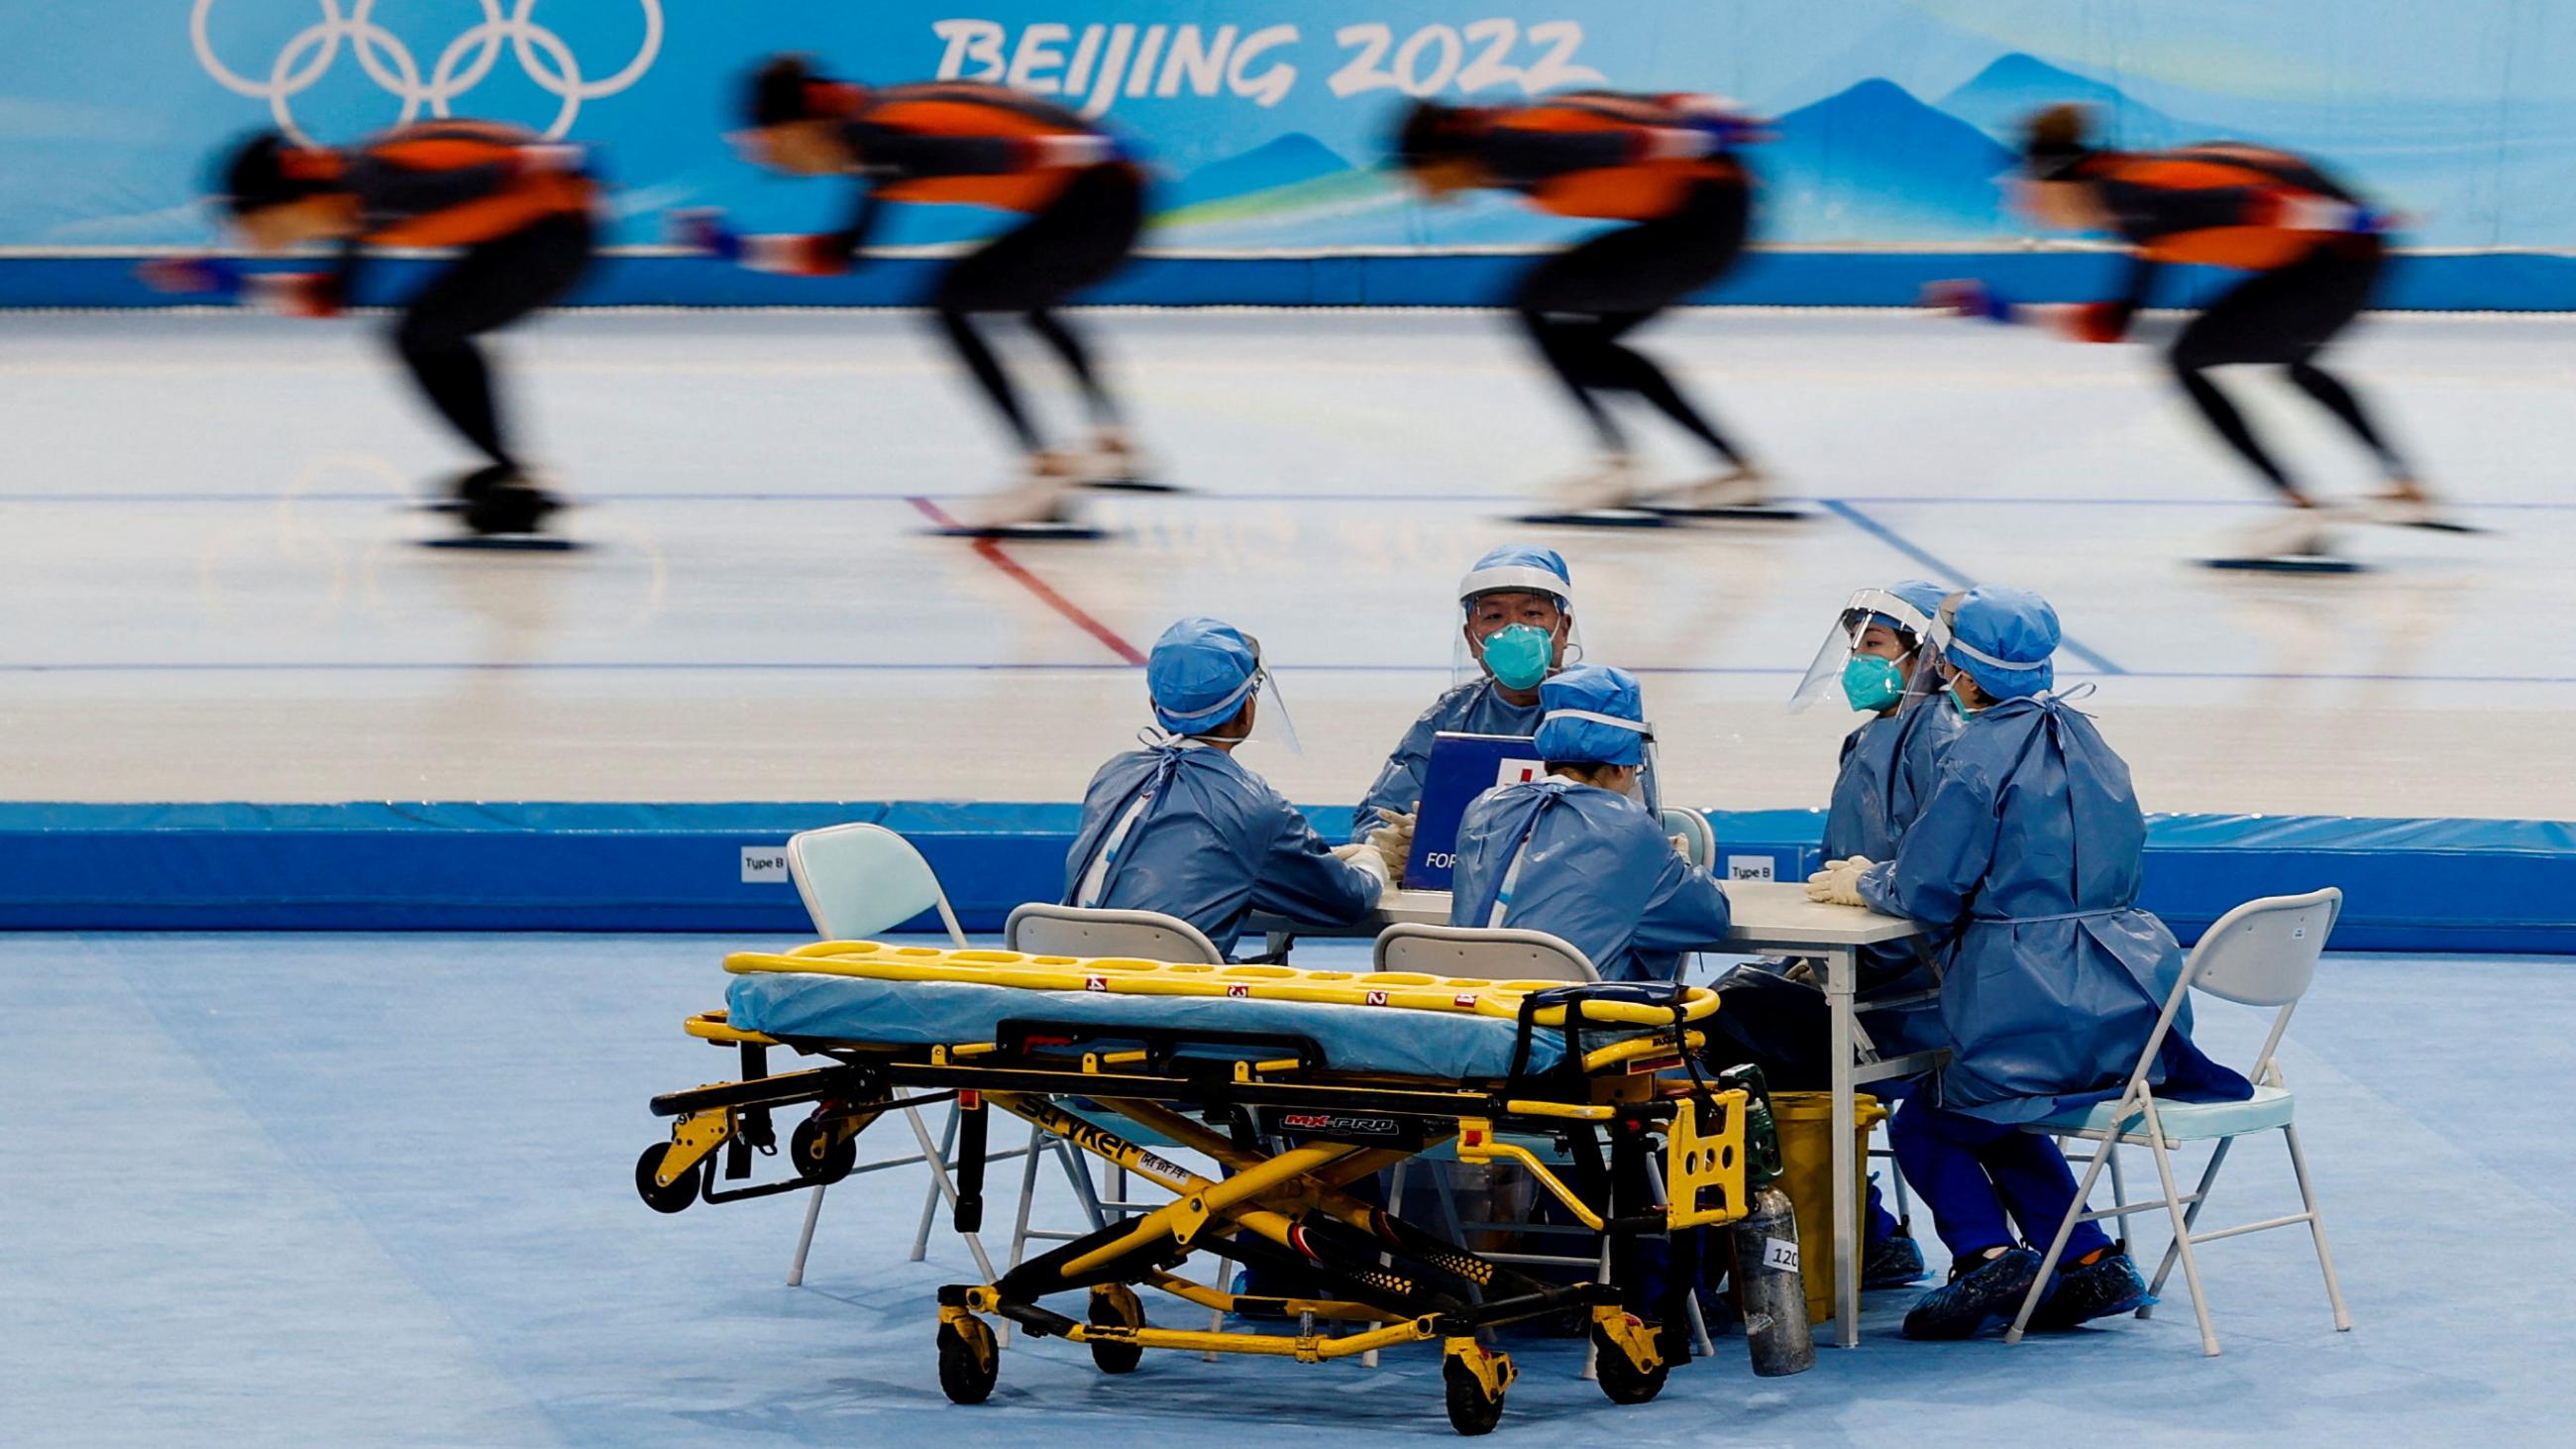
(1740,492)
(1604,496)
(1039,506)
(2296,543)
(2407,505)
(503,508)
(1113,464)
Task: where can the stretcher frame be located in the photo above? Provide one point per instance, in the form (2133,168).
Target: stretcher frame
(1289,1132)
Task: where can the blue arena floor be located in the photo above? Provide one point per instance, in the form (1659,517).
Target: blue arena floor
(376,1190)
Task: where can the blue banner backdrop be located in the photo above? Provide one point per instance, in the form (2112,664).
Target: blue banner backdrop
(1264,119)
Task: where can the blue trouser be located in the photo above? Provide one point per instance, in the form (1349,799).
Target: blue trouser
(1971,1172)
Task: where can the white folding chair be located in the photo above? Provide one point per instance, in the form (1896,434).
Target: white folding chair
(1481,953)
(1692,826)
(2263,953)
(1044,929)
(857,880)
(1501,953)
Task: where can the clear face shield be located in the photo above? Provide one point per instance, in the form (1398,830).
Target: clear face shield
(1875,656)
(1515,637)
(1270,722)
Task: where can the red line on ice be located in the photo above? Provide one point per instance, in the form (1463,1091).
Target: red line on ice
(1046,594)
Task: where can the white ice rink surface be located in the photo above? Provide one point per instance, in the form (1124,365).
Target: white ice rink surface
(213,593)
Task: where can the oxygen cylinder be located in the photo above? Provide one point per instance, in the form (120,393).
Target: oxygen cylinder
(1769,1288)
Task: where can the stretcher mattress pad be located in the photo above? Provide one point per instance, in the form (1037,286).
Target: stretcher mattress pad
(1387,1023)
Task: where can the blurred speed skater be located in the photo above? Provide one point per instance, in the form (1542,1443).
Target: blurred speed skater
(1667,166)
(963,143)
(519,208)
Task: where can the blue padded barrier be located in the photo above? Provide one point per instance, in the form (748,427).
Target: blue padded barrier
(2411,885)
(2482,281)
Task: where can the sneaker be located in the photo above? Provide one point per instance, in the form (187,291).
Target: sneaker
(1979,1292)
(2086,1291)
(1891,1262)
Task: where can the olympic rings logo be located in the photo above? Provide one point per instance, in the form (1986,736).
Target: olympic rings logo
(460,67)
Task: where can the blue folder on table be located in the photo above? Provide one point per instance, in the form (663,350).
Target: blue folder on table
(1461,767)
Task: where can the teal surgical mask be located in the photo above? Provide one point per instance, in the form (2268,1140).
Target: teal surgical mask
(1872,683)
(1959,704)
(1518,655)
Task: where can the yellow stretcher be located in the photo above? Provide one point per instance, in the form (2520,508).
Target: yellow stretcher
(1289,1080)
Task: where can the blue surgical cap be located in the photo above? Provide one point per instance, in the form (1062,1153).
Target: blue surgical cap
(2003,638)
(1592,714)
(1923,594)
(1520,567)
(1200,673)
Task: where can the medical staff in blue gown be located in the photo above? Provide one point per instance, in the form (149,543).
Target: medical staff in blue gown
(1889,764)
(1182,827)
(1574,854)
(2027,856)
(1518,628)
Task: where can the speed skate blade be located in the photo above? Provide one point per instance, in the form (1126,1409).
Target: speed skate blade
(1750,512)
(1024,532)
(1601,518)
(1132,485)
(505,542)
(2296,563)
(2442,525)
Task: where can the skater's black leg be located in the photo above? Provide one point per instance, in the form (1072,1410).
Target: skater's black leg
(2334,397)
(1622,366)
(494,284)
(2230,425)
(1570,346)
(1077,359)
(453,375)
(1078,239)
(987,369)
(2239,327)
(1577,304)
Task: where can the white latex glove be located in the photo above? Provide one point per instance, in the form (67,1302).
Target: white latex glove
(1839,882)
(1394,834)
(1681,845)
(1360,855)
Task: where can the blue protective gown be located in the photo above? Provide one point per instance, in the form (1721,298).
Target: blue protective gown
(2028,852)
(1599,873)
(1214,843)
(1889,766)
(1474,708)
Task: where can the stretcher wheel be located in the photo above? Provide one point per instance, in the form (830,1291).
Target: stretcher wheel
(821,1154)
(1621,1380)
(970,1363)
(681,1192)
(1115,1305)
(1471,1411)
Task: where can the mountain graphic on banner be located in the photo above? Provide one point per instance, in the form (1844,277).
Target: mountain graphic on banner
(1998,97)
(1875,162)
(1285,161)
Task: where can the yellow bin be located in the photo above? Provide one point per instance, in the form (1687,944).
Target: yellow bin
(1807,1158)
